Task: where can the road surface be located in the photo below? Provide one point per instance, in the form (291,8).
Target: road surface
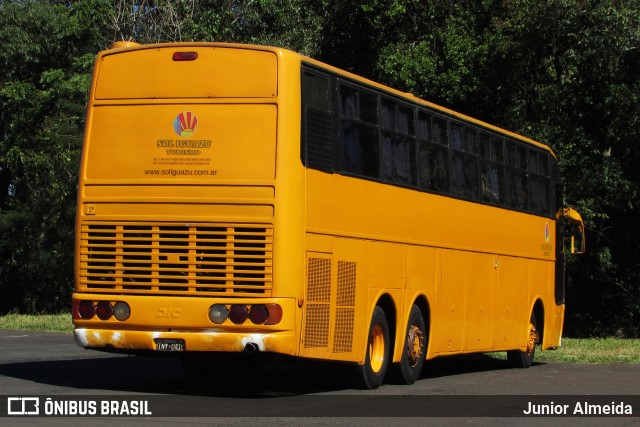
(302,393)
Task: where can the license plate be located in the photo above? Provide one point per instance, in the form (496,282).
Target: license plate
(169,345)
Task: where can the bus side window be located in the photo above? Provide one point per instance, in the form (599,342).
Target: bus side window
(440,135)
(517,176)
(492,173)
(464,162)
(398,147)
(360,143)
(433,158)
(434,167)
(317,150)
(539,182)
(349,98)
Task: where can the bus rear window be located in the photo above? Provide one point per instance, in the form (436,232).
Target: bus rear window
(215,73)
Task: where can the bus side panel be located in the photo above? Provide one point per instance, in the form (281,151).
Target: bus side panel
(334,300)
(555,338)
(554,314)
(448,326)
(341,290)
(422,278)
(480,316)
(512,311)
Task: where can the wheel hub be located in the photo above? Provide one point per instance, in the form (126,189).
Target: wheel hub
(533,338)
(414,345)
(376,349)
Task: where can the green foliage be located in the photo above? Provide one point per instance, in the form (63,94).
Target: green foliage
(560,71)
(445,64)
(44,82)
(286,23)
(582,99)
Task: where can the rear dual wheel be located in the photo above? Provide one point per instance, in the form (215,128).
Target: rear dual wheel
(413,351)
(371,374)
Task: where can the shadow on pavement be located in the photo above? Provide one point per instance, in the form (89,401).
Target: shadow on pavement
(146,374)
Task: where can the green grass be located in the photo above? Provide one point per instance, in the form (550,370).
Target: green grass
(46,323)
(594,350)
(590,350)
(573,350)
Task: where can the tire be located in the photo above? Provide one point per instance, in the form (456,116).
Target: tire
(370,375)
(524,359)
(414,349)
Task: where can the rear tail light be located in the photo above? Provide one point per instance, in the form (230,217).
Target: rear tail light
(104,310)
(86,309)
(238,314)
(275,314)
(258,314)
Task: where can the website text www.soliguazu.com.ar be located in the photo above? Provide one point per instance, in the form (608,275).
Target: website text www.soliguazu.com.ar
(181,172)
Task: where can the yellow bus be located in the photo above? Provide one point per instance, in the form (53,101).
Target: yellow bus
(238,201)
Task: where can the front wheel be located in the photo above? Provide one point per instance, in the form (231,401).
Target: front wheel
(371,374)
(524,359)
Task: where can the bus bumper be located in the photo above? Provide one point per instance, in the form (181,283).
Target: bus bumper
(209,340)
(167,324)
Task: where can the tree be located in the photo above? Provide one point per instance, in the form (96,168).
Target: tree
(48,50)
(286,23)
(560,71)
(580,61)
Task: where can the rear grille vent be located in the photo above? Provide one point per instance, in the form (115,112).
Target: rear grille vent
(177,259)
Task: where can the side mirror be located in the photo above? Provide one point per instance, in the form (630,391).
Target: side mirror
(574,228)
(577,239)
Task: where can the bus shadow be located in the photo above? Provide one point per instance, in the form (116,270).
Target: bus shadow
(464,364)
(143,374)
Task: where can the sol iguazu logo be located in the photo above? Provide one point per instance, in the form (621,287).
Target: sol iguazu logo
(547,232)
(185,124)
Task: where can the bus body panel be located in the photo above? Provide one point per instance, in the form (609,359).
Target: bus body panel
(149,147)
(216,72)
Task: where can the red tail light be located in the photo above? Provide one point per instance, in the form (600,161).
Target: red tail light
(86,309)
(104,310)
(275,314)
(258,314)
(238,314)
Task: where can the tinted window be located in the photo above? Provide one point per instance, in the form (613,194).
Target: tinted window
(359,132)
(360,153)
(433,167)
(492,171)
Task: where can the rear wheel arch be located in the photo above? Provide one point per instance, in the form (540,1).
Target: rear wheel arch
(423,304)
(385,302)
(538,310)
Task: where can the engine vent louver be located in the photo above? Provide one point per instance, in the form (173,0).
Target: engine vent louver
(166,258)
